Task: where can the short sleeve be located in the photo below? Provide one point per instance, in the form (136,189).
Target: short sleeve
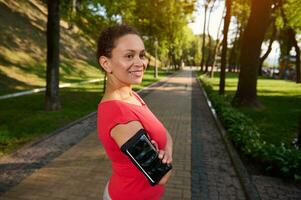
(112,113)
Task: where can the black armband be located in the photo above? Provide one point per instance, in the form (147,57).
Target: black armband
(145,156)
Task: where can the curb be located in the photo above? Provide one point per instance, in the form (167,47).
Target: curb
(243,175)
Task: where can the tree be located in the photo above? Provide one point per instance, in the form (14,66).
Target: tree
(209,57)
(266,54)
(290,26)
(204,33)
(217,45)
(246,94)
(240,12)
(234,50)
(162,20)
(53,60)
(224,47)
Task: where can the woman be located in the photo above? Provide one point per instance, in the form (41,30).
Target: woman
(121,113)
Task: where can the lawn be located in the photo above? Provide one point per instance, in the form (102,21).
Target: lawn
(23,118)
(277,122)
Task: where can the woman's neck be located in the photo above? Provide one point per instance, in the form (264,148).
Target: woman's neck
(121,92)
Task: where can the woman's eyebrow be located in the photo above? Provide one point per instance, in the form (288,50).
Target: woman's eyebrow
(132,50)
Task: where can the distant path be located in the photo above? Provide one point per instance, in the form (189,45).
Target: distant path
(7,96)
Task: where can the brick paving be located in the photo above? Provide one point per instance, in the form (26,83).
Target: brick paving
(213,171)
(202,167)
(275,188)
(14,168)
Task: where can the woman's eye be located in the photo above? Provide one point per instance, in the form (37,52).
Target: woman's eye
(129,56)
(142,56)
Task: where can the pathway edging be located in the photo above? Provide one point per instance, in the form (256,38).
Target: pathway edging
(244,177)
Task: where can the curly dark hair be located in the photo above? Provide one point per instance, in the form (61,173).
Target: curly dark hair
(108,37)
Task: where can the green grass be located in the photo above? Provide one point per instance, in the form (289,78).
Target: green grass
(277,122)
(24,119)
(16,77)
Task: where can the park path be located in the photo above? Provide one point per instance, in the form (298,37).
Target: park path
(202,166)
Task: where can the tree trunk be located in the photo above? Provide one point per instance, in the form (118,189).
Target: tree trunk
(217,45)
(224,49)
(208,60)
(246,94)
(204,39)
(73,15)
(53,60)
(292,35)
(239,44)
(233,52)
(209,57)
(262,59)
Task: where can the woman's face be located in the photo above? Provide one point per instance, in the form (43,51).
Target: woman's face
(128,60)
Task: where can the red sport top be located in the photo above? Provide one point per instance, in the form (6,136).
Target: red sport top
(127,182)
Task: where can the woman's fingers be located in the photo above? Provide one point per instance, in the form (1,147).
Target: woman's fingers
(161,154)
(165,156)
(155,144)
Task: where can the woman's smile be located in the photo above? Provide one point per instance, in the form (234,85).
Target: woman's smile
(137,73)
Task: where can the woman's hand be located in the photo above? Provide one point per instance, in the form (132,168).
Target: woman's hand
(166,157)
(166,154)
(165,178)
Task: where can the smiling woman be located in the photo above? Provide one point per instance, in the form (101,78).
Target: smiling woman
(127,62)
(123,117)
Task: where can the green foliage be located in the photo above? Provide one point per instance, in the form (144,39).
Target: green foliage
(161,20)
(241,11)
(166,22)
(190,45)
(277,159)
(292,10)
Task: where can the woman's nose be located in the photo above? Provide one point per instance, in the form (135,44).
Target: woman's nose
(139,61)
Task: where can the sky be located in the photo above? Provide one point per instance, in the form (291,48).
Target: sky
(197,25)
(197,28)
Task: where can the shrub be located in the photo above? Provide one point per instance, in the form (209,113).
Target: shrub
(284,160)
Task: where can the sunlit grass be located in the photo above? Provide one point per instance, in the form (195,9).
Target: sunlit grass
(282,106)
(18,77)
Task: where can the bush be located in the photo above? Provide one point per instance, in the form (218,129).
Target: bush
(283,160)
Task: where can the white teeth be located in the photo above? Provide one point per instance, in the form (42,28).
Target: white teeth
(136,73)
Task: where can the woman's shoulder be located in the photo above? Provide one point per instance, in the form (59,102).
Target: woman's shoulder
(114,112)
(112,106)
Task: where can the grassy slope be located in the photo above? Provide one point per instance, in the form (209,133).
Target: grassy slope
(282,100)
(23,48)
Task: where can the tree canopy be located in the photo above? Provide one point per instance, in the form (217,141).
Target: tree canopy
(164,21)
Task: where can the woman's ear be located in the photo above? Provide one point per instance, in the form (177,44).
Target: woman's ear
(105,64)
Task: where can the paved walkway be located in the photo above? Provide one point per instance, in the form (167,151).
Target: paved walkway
(81,171)
(202,167)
